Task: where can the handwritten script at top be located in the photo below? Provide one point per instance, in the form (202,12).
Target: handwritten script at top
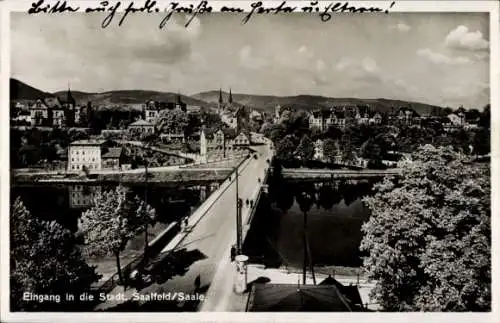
(151,6)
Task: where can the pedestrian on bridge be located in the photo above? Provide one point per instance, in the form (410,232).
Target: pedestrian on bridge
(251,203)
(247,202)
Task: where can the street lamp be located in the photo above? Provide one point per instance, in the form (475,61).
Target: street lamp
(239,204)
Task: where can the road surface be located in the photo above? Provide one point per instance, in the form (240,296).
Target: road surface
(208,243)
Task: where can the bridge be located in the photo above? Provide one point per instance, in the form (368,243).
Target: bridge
(202,252)
(212,232)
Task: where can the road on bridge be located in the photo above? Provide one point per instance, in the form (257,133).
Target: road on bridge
(208,243)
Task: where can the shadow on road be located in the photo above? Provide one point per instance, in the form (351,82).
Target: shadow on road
(172,264)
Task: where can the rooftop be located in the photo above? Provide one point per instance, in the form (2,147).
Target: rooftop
(88,142)
(114,152)
(139,123)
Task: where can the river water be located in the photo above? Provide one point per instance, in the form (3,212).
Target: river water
(334,223)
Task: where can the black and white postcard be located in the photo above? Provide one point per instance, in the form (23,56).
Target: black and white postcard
(233,160)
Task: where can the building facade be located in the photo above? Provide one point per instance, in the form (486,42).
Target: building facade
(85,155)
(141,127)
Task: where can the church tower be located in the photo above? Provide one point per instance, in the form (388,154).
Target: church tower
(230,100)
(221,102)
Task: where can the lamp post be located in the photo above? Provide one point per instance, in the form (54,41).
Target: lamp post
(239,204)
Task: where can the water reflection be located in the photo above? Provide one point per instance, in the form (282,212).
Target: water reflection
(335,216)
(65,203)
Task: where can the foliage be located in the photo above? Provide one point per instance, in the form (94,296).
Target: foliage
(330,149)
(286,148)
(172,121)
(481,142)
(112,222)
(44,260)
(305,149)
(428,237)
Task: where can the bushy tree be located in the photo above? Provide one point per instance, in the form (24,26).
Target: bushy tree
(428,236)
(285,149)
(305,149)
(44,259)
(174,121)
(111,223)
(330,149)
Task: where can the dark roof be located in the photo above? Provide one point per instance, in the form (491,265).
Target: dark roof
(114,152)
(53,103)
(350,292)
(294,298)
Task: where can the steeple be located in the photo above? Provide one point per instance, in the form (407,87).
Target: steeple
(69,97)
(220,96)
(230,100)
(179,102)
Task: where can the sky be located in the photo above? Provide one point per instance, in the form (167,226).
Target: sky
(436,58)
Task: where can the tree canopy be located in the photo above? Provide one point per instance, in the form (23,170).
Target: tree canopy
(112,222)
(428,236)
(44,260)
(172,121)
(305,149)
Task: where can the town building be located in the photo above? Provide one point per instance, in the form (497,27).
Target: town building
(39,113)
(225,111)
(220,144)
(172,137)
(407,116)
(151,111)
(319,150)
(241,140)
(94,154)
(113,158)
(193,110)
(85,155)
(141,127)
(323,119)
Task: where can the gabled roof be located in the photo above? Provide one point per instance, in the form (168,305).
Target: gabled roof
(53,103)
(140,123)
(88,142)
(114,152)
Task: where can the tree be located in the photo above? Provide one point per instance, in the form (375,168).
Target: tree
(428,236)
(481,141)
(109,225)
(305,149)
(285,149)
(330,150)
(172,121)
(44,260)
(484,119)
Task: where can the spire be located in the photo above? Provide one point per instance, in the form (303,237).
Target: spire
(220,96)
(230,96)
(179,97)
(69,97)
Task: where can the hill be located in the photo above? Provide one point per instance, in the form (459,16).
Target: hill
(128,97)
(267,103)
(21,91)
